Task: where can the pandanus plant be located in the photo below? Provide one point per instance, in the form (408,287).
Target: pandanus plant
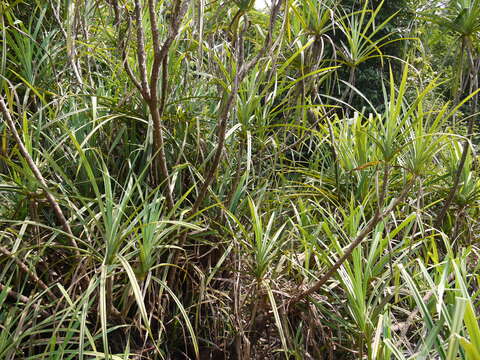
(462,17)
(362,40)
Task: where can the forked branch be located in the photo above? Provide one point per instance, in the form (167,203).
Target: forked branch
(148,85)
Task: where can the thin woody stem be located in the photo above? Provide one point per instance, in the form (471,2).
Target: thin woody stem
(38,175)
(142,62)
(160,60)
(242,71)
(14,294)
(148,86)
(377,217)
(123,46)
(27,271)
(19,297)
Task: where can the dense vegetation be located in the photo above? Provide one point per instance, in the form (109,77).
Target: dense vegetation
(212,179)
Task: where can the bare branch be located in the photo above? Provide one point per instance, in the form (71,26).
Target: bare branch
(15,295)
(142,62)
(161,51)
(221,132)
(242,71)
(27,271)
(38,175)
(130,73)
(377,217)
(126,65)
(268,40)
(161,60)
(178,14)
(163,96)
(156,48)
